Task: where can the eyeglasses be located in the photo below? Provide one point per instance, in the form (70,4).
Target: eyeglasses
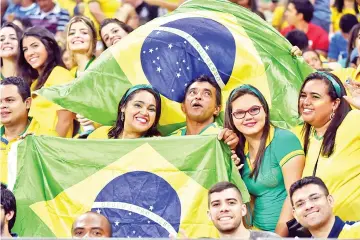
(240,114)
(313,199)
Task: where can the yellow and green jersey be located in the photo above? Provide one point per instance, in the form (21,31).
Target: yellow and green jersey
(212,128)
(44,111)
(340,171)
(34,128)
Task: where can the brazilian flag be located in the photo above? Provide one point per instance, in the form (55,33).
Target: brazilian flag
(212,37)
(145,187)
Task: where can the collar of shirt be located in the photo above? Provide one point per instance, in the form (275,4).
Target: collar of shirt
(55,10)
(337,228)
(268,141)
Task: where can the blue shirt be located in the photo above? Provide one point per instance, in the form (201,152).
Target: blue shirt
(338,46)
(322,14)
(19,11)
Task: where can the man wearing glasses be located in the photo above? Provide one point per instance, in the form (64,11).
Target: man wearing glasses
(312,208)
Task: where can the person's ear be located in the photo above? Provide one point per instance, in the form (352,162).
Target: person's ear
(209,215)
(9,215)
(217,110)
(243,210)
(183,107)
(28,103)
(336,104)
(330,200)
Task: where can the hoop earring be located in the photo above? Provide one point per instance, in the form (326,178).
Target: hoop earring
(122,116)
(332,115)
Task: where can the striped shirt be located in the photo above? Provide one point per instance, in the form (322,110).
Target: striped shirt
(54,21)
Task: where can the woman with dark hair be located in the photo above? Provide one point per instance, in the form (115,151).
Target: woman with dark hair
(138,115)
(41,65)
(339,9)
(353,42)
(312,58)
(272,158)
(10,35)
(112,30)
(331,139)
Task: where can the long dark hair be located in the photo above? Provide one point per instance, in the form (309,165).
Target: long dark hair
(18,33)
(229,123)
(121,24)
(354,33)
(339,5)
(328,144)
(53,59)
(117,129)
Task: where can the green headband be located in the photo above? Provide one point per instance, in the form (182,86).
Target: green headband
(251,89)
(333,82)
(138,87)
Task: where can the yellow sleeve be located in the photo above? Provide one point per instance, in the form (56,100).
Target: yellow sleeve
(100,133)
(69,5)
(58,76)
(350,231)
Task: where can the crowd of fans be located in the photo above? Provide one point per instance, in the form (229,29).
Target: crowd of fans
(311,172)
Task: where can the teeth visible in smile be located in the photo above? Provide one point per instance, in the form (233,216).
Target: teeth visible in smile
(225,218)
(33,59)
(7,48)
(307,110)
(142,120)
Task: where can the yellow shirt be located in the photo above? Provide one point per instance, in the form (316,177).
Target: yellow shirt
(345,73)
(34,128)
(100,133)
(350,231)
(278,20)
(341,171)
(336,16)
(45,111)
(212,128)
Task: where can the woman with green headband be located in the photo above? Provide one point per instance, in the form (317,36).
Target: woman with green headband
(331,139)
(272,158)
(138,115)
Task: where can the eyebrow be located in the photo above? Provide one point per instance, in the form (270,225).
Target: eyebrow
(300,200)
(138,101)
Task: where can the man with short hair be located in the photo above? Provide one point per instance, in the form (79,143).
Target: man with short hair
(15,103)
(8,212)
(202,104)
(299,14)
(313,209)
(50,16)
(91,225)
(226,210)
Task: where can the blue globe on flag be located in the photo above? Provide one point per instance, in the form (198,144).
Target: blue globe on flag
(140,205)
(179,51)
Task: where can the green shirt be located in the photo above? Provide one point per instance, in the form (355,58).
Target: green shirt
(212,128)
(269,188)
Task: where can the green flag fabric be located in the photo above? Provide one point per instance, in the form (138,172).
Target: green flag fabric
(146,187)
(211,37)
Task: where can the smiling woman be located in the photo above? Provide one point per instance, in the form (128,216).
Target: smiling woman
(273,158)
(112,30)
(138,115)
(331,137)
(10,35)
(41,65)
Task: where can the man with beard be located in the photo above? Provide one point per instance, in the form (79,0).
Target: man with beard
(226,210)
(8,212)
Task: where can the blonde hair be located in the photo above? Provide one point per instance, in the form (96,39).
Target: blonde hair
(90,25)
